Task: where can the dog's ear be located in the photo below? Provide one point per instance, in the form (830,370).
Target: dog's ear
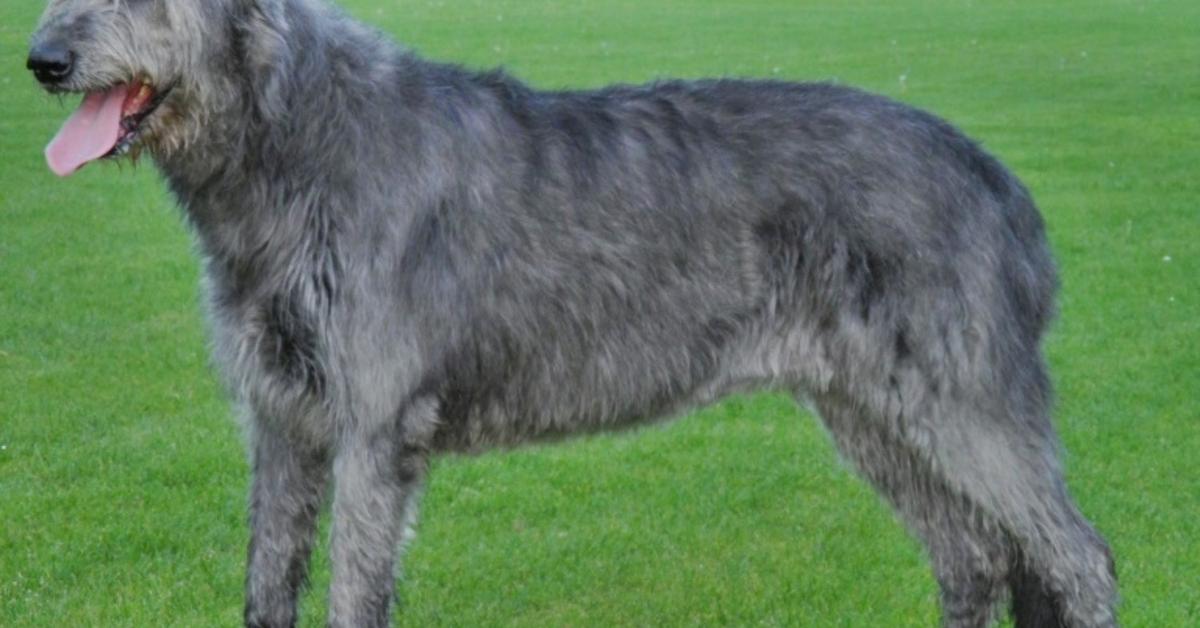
(263,31)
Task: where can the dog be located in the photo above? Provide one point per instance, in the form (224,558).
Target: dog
(404,258)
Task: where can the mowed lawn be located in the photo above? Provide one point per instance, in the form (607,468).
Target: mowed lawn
(122,475)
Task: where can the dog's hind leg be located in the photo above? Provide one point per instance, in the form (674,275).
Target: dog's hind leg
(969,553)
(378,473)
(991,459)
(285,498)
(1063,573)
(1033,605)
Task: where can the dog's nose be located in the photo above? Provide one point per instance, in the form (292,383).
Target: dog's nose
(51,62)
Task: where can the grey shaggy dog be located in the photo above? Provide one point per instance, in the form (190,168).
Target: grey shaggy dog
(404,258)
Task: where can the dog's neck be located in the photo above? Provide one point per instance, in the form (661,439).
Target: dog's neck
(236,179)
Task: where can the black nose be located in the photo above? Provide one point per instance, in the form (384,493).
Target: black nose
(51,62)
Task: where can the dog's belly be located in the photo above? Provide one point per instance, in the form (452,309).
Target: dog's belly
(475,419)
(553,394)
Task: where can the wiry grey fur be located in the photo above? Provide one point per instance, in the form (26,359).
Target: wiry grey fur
(405,258)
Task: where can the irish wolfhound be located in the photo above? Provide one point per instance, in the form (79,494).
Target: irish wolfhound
(404,258)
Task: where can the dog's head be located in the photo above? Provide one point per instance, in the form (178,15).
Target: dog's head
(154,74)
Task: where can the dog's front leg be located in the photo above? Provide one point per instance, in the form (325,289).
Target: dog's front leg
(378,475)
(288,488)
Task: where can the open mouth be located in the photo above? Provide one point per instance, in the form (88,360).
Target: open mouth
(107,124)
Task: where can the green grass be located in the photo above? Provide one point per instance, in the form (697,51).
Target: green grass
(122,473)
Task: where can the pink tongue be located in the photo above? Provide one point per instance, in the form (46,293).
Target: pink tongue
(90,133)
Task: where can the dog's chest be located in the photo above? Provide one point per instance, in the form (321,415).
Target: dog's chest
(267,345)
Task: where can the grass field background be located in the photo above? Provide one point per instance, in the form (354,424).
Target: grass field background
(122,475)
